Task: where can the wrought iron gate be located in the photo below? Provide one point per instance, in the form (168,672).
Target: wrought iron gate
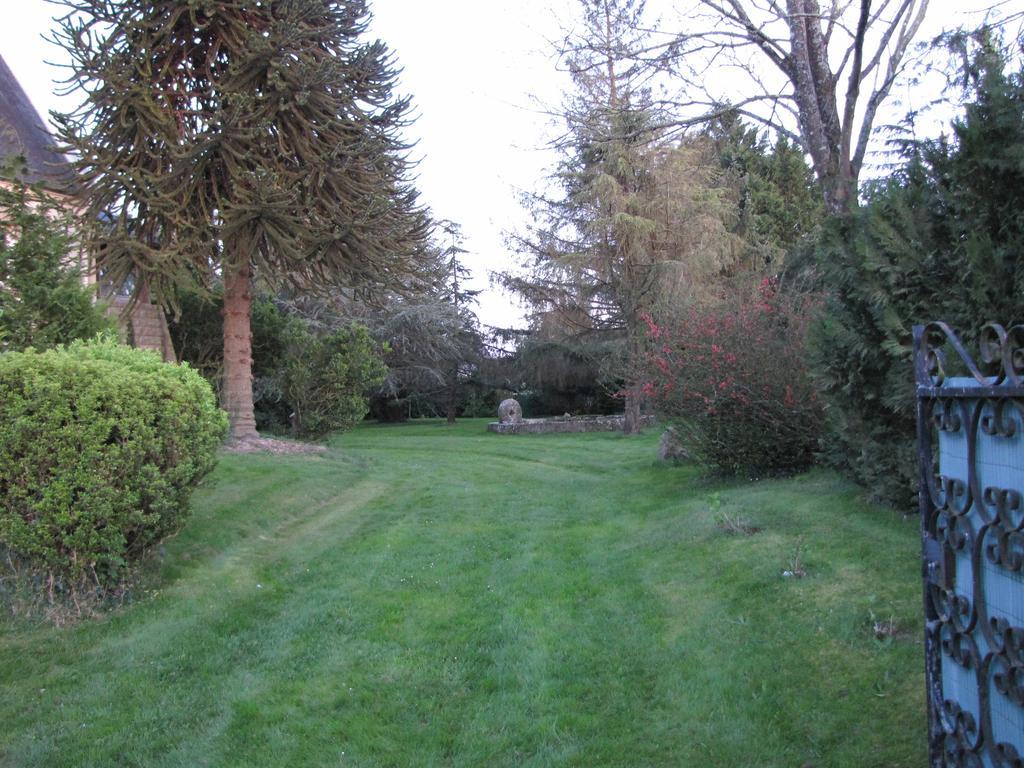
(971,451)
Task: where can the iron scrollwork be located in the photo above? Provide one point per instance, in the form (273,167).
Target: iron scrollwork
(971,455)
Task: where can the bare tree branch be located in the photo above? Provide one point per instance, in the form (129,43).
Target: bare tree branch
(823,57)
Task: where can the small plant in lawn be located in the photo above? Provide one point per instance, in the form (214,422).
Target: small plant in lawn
(730,524)
(714,503)
(795,568)
(883,629)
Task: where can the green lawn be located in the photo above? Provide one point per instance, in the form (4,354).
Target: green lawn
(425,595)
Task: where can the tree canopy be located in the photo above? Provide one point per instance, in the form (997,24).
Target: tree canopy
(640,222)
(814,72)
(603,248)
(222,140)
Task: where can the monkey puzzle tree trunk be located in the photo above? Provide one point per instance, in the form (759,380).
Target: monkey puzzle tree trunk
(237,393)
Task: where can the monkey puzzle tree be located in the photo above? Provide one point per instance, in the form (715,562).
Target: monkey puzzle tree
(234,140)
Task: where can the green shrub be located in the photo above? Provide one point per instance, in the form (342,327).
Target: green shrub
(100,448)
(42,300)
(326,379)
(733,380)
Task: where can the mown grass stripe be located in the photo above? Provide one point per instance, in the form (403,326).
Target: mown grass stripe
(434,596)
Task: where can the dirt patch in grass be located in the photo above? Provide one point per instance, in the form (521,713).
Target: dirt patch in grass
(734,525)
(271,445)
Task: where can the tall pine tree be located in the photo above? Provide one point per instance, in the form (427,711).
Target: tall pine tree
(237,140)
(777,197)
(454,293)
(605,247)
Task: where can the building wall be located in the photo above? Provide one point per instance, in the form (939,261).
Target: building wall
(143,324)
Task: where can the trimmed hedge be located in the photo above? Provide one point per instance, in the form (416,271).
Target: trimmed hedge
(940,239)
(100,448)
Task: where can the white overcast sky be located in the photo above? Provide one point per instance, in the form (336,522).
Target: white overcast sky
(477,71)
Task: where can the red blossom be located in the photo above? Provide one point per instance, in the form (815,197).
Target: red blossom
(740,368)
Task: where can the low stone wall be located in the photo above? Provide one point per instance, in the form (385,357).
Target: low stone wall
(561,424)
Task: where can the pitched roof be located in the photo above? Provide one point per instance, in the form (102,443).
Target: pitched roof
(22,132)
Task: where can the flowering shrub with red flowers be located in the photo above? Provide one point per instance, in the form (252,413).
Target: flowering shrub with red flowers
(734,380)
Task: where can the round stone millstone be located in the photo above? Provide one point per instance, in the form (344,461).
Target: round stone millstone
(510,412)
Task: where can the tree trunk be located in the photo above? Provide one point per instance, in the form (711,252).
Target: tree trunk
(634,355)
(631,422)
(237,385)
(453,395)
(840,193)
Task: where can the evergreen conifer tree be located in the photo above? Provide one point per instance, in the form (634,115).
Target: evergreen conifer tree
(43,301)
(940,240)
(454,293)
(777,197)
(228,140)
(602,250)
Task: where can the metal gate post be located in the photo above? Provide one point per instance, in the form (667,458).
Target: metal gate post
(929,561)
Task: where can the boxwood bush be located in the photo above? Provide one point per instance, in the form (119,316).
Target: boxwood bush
(100,448)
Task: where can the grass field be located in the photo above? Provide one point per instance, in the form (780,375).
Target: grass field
(424,595)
